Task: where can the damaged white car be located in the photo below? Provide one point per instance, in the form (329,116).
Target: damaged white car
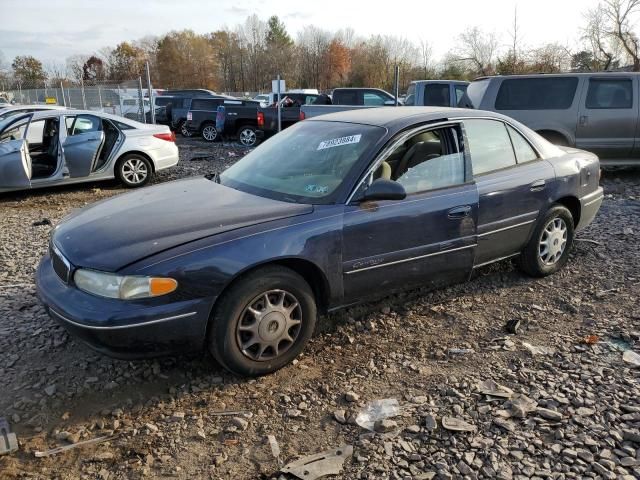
(48,148)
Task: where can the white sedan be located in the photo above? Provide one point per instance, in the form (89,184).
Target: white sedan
(57,147)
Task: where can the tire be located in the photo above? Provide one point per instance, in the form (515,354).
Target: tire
(134,170)
(209,132)
(555,227)
(247,136)
(182,128)
(232,321)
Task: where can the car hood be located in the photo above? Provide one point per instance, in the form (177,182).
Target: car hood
(113,233)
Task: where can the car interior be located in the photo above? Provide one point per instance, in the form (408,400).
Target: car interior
(43,140)
(426,161)
(111,135)
(90,123)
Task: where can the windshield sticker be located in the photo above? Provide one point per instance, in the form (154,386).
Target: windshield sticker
(336,142)
(311,188)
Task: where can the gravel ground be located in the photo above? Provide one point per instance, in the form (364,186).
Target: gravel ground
(567,409)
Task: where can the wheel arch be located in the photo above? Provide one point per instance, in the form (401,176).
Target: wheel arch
(573,205)
(550,133)
(308,270)
(134,152)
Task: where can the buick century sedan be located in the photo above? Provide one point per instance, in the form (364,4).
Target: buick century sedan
(54,147)
(328,213)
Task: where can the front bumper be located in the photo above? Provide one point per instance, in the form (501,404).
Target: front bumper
(589,206)
(123,329)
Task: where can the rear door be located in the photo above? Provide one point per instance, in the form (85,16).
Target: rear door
(82,145)
(513,184)
(608,116)
(15,162)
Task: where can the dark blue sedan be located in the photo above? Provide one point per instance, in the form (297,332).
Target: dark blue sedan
(330,212)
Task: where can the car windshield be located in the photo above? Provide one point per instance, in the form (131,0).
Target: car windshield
(305,163)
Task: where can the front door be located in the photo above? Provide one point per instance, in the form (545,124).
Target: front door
(608,117)
(15,162)
(82,145)
(513,184)
(426,239)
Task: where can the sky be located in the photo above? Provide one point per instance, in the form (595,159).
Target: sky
(55,29)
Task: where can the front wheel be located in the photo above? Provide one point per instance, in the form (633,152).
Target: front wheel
(134,170)
(262,322)
(548,249)
(247,136)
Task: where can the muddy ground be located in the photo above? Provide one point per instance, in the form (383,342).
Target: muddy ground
(574,410)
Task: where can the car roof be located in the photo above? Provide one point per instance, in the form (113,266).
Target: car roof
(50,113)
(399,117)
(455,82)
(569,74)
(35,105)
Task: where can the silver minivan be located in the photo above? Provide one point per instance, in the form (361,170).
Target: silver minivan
(597,112)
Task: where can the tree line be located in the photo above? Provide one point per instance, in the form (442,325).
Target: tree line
(247,57)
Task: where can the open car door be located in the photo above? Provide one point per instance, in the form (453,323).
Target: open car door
(15,162)
(82,145)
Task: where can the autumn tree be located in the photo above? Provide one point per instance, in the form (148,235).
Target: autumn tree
(338,65)
(186,59)
(28,69)
(126,62)
(93,69)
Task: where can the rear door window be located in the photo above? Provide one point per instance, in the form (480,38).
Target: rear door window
(410,99)
(524,151)
(436,94)
(460,90)
(551,93)
(605,93)
(206,104)
(346,97)
(489,145)
(83,124)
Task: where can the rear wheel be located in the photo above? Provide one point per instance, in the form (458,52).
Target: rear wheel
(209,132)
(134,170)
(548,249)
(182,128)
(262,322)
(247,136)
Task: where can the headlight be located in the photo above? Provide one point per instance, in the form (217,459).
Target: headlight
(123,287)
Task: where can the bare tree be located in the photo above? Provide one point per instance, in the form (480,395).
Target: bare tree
(74,65)
(426,58)
(478,49)
(596,36)
(515,36)
(619,14)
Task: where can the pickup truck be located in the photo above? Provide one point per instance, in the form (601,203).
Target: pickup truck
(341,99)
(437,93)
(240,119)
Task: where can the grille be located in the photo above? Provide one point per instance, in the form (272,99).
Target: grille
(61,265)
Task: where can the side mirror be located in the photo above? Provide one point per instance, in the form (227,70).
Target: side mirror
(382,189)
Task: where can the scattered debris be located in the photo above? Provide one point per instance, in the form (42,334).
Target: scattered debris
(538,350)
(512,326)
(8,440)
(457,425)
(319,465)
(275,448)
(492,389)
(520,405)
(220,413)
(587,240)
(631,357)
(57,450)
(385,425)
(591,339)
(40,223)
(377,410)
(430,423)
(460,351)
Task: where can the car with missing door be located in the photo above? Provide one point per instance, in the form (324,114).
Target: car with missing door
(597,112)
(330,212)
(56,147)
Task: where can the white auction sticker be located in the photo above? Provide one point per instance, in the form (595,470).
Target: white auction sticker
(336,142)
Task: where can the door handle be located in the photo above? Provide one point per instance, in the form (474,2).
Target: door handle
(584,119)
(459,212)
(538,186)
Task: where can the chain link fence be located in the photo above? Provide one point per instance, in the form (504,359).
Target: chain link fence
(127,99)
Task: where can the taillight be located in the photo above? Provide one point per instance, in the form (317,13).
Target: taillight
(260,119)
(169,137)
(302,116)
